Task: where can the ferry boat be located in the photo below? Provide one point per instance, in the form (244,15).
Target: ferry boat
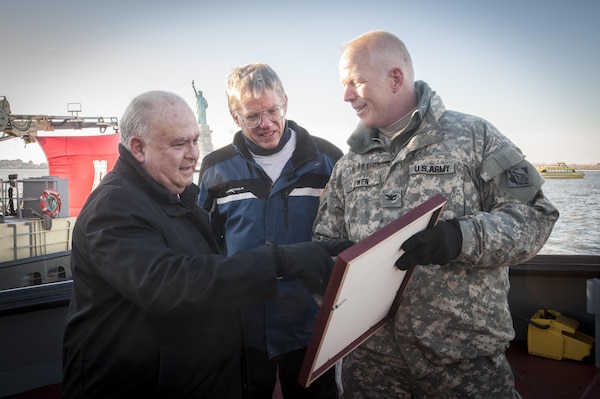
(36,287)
(559,170)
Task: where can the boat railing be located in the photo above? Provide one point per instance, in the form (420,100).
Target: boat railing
(24,299)
(556,282)
(31,238)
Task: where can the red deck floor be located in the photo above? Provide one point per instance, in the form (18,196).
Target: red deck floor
(538,377)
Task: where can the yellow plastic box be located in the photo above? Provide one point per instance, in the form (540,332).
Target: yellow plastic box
(560,340)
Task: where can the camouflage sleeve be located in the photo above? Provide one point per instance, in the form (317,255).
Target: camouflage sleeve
(329,223)
(516,218)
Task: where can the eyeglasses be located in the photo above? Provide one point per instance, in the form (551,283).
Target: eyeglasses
(253,120)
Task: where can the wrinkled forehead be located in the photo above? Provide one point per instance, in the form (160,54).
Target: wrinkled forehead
(174,120)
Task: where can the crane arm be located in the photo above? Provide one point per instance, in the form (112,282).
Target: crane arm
(27,126)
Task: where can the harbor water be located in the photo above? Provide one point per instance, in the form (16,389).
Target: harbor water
(577,231)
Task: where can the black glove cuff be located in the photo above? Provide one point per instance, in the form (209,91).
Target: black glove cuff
(459,236)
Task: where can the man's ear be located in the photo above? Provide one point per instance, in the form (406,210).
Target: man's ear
(397,77)
(285,103)
(236,119)
(138,148)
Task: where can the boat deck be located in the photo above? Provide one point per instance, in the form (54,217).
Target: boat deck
(535,377)
(554,282)
(538,377)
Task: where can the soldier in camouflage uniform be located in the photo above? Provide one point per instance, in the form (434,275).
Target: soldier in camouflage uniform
(453,325)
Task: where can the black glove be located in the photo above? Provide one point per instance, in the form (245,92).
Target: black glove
(309,261)
(438,245)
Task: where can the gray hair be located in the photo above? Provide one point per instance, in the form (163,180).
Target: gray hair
(251,80)
(140,114)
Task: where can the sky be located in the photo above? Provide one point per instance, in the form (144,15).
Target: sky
(530,67)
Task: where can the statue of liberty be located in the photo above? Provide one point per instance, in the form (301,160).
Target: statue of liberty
(201,105)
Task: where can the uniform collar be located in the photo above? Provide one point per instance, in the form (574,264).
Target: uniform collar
(365,139)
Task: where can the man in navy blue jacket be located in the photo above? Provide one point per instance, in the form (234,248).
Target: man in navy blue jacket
(265,188)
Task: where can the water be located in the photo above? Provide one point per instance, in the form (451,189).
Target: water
(577,231)
(23,173)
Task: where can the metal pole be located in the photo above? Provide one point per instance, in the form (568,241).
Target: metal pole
(593,307)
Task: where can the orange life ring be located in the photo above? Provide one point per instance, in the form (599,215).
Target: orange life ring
(50,202)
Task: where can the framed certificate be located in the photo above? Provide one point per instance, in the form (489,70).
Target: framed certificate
(364,290)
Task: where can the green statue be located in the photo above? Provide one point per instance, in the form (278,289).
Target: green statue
(201,105)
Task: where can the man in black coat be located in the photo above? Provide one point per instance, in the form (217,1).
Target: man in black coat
(155,311)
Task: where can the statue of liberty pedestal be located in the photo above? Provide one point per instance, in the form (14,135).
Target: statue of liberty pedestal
(201,105)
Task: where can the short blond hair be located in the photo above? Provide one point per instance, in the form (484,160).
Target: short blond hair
(251,80)
(384,50)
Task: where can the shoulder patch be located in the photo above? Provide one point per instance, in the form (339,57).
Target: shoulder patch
(522,181)
(518,177)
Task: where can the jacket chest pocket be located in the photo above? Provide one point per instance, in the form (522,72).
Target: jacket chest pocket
(364,210)
(362,189)
(440,176)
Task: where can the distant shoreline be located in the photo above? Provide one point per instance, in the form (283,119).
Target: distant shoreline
(572,165)
(36,168)
(21,168)
(45,166)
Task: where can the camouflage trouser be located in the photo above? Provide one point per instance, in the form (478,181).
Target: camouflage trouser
(372,375)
